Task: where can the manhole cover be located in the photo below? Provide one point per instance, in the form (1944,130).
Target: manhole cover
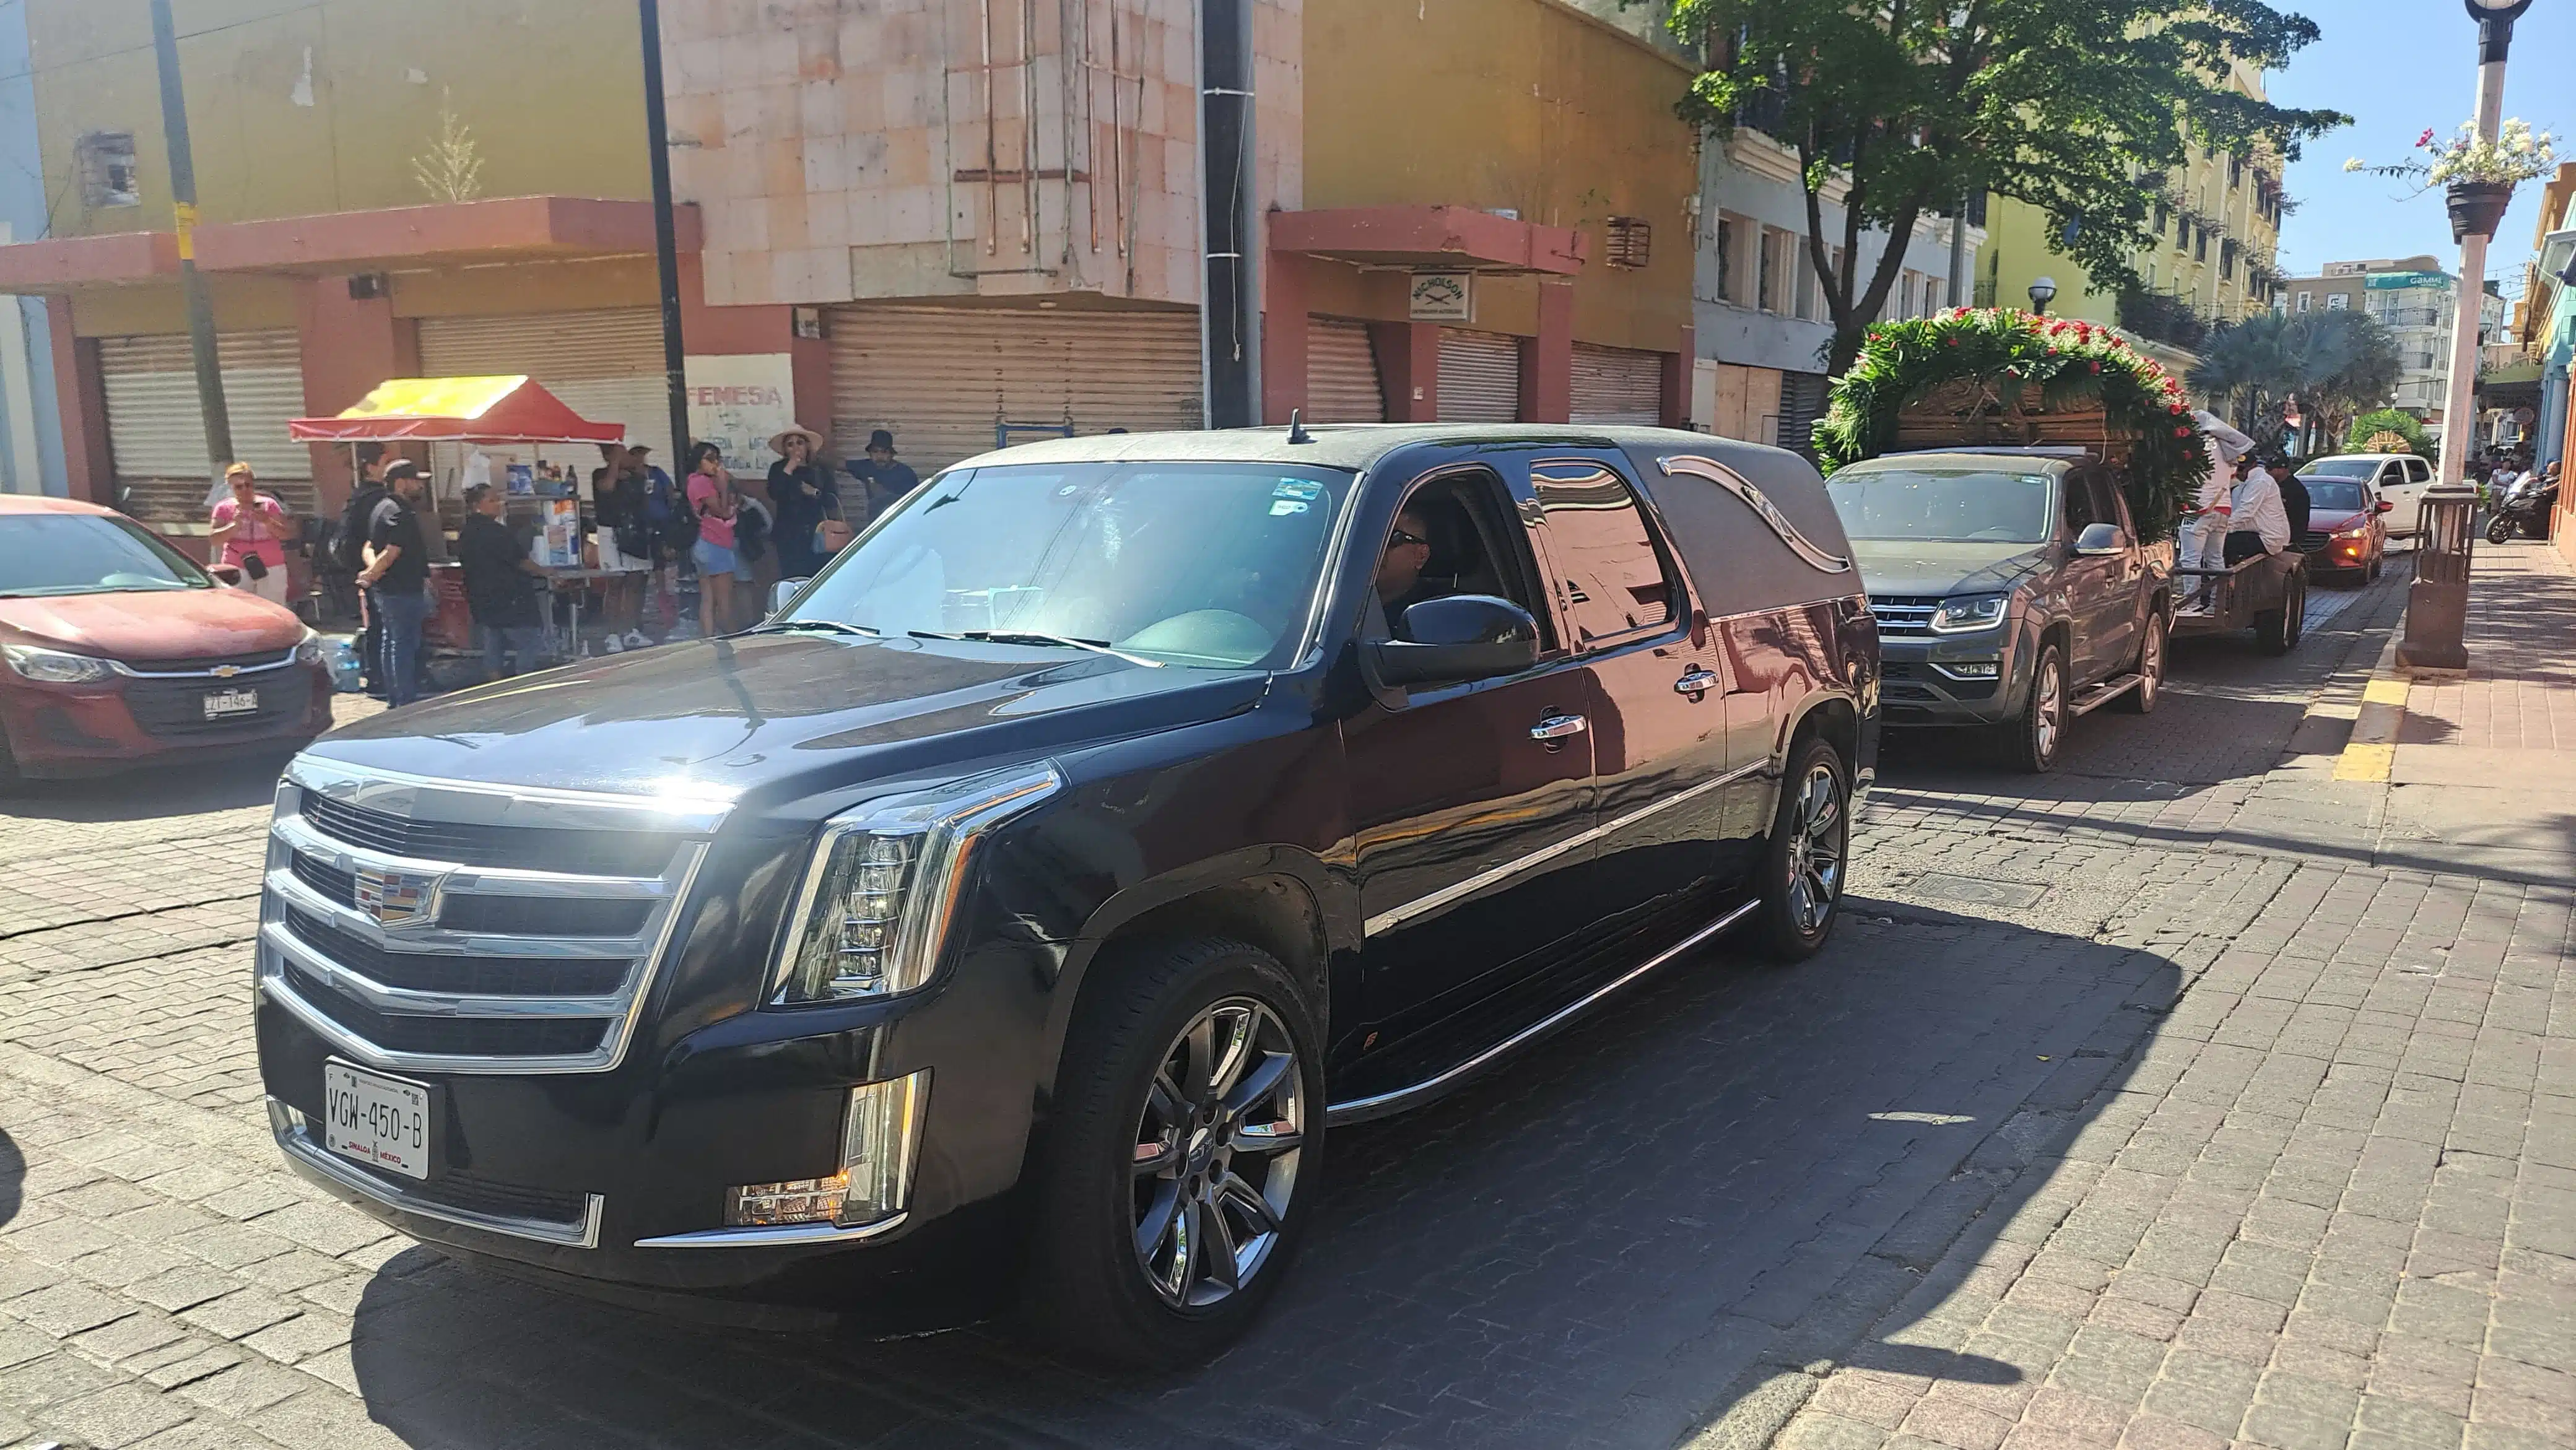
(1974,892)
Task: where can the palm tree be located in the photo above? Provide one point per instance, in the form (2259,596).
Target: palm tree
(2333,363)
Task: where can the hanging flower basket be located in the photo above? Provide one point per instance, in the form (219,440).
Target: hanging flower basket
(2477,207)
(2000,376)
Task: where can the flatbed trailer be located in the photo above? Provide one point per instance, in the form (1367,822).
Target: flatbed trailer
(2267,594)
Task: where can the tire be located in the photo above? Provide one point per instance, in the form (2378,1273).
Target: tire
(2378,562)
(1808,855)
(2149,666)
(2278,630)
(2499,529)
(2032,741)
(13,781)
(1159,1020)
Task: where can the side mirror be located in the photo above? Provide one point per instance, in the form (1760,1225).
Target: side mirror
(1462,637)
(2100,539)
(784,590)
(2384,506)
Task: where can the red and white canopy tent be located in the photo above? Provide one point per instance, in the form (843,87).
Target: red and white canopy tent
(457,410)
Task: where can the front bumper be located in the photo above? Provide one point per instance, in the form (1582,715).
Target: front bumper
(77,730)
(1922,686)
(618,1179)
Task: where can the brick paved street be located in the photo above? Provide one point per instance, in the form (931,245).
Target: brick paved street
(2102,1122)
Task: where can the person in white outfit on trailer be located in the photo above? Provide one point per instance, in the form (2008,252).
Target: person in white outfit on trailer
(2205,526)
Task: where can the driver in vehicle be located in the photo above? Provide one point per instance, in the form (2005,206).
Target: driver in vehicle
(1400,584)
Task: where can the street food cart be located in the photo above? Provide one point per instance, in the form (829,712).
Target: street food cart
(487,411)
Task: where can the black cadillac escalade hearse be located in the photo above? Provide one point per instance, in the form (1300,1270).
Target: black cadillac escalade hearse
(1010,914)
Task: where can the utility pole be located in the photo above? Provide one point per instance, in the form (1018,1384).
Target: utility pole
(183,209)
(1230,309)
(666,242)
(2495,20)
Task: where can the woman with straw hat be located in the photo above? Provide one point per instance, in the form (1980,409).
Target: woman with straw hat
(801,495)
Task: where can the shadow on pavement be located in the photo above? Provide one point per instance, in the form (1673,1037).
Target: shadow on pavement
(1612,1240)
(13,1178)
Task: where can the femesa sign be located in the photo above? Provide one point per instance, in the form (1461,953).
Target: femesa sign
(739,403)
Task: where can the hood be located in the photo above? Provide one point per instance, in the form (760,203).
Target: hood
(153,624)
(732,716)
(1907,568)
(2329,521)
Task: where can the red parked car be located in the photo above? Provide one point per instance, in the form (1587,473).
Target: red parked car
(2347,534)
(116,650)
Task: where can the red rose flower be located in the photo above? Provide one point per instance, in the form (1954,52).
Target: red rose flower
(2182,432)
(2175,409)
(2097,367)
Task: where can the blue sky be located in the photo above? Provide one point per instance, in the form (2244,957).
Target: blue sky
(2396,67)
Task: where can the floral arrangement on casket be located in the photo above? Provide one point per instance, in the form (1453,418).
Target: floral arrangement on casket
(1997,376)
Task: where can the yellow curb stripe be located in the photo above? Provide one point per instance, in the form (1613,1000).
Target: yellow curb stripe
(2384,691)
(2366,762)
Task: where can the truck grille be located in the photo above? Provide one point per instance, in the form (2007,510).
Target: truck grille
(461,929)
(1899,614)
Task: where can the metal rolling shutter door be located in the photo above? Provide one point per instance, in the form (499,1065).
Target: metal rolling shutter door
(1802,403)
(940,377)
(1617,385)
(156,431)
(1342,384)
(606,365)
(1480,377)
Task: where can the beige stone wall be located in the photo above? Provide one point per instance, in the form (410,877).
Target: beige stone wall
(843,150)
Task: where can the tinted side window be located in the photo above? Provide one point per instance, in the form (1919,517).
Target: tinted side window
(2418,471)
(2392,475)
(2106,500)
(2083,506)
(1609,575)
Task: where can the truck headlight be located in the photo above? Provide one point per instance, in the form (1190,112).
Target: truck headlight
(1969,613)
(885,881)
(55,667)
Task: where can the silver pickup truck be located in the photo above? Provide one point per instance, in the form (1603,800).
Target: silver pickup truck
(2011,590)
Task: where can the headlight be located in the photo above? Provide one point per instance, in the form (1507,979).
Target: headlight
(884,883)
(308,650)
(2352,535)
(53,666)
(1972,612)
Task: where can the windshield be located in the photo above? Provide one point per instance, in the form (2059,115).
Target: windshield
(1942,505)
(87,554)
(2342,468)
(1211,564)
(2328,494)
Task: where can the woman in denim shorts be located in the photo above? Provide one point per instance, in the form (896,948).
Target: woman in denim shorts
(712,499)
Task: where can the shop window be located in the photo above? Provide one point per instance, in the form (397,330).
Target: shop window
(1631,241)
(107,171)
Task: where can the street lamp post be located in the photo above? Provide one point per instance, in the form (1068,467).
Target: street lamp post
(2437,604)
(2043,292)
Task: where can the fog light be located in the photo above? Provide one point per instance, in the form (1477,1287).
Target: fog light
(880,1137)
(1971,669)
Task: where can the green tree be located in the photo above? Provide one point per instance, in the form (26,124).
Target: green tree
(2332,363)
(1915,105)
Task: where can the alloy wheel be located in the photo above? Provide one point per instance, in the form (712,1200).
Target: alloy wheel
(2151,663)
(2047,719)
(1816,846)
(1216,1152)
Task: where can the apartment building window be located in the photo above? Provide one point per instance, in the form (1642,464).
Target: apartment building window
(2200,246)
(1631,242)
(1806,275)
(107,171)
(2337,302)
(2235,172)
(1776,260)
(2227,260)
(1730,276)
(2304,299)
(2164,218)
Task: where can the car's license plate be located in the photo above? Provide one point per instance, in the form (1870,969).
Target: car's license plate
(381,1121)
(231,702)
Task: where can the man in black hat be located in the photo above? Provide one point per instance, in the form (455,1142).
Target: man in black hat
(882,481)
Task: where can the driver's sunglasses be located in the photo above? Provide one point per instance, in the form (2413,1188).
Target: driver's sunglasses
(1400,538)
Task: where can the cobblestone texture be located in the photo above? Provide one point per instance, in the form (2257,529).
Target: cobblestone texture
(2095,1126)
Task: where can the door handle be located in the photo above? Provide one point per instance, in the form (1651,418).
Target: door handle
(1696,683)
(1557,727)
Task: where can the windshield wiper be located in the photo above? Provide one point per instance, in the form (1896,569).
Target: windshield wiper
(829,626)
(1031,636)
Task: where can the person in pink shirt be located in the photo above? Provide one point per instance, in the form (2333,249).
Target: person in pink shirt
(712,499)
(251,526)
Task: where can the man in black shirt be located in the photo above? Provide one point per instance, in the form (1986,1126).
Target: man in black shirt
(497,575)
(397,581)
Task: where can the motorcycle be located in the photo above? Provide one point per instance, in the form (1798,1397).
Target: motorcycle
(2524,510)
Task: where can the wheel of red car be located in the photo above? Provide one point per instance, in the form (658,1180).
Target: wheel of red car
(12,780)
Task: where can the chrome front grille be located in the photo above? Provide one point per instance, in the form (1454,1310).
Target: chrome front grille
(1899,614)
(445,927)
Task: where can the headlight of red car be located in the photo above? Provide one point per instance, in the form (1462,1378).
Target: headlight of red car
(55,667)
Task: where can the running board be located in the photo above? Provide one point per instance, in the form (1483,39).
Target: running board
(1388,1104)
(2105,692)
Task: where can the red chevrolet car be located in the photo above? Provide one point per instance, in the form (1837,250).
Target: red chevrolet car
(2346,534)
(115,651)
